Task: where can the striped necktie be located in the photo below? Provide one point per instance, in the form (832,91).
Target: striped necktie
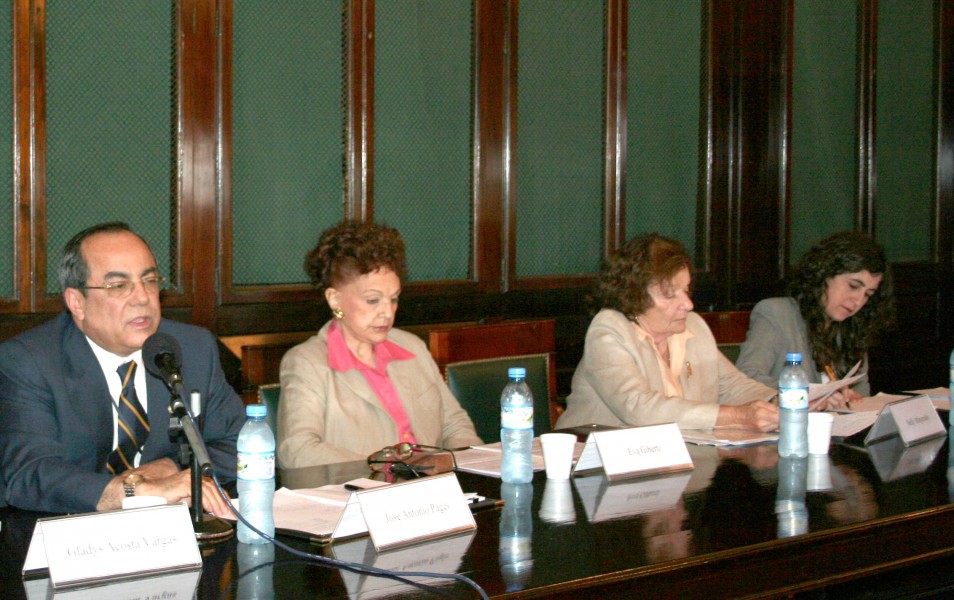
(132,424)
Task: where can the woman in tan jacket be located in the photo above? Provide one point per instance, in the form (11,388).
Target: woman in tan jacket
(649,359)
(359,384)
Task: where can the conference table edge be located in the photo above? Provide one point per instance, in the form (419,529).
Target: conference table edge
(779,567)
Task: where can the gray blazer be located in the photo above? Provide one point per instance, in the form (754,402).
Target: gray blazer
(776,327)
(618,380)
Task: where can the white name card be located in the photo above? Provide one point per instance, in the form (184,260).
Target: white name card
(914,420)
(414,511)
(635,452)
(95,547)
(351,522)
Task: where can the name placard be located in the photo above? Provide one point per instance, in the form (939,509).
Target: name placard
(410,512)
(351,522)
(914,420)
(95,547)
(635,452)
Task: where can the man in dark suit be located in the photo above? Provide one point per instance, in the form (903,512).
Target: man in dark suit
(61,394)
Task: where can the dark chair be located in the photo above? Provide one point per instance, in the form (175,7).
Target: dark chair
(475,359)
(268,395)
(477,385)
(729,329)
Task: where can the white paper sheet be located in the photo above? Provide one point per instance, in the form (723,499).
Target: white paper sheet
(486,459)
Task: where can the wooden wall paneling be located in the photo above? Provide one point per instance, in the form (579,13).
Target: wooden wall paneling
(615,151)
(225,23)
(494,32)
(359,126)
(867,87)
(759,227)
(509,250)
(198,71)
(246,309)
(943,246)
(26,28)
(508,230)
(719,155)
(35,142)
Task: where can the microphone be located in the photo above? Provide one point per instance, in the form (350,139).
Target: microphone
(163,357)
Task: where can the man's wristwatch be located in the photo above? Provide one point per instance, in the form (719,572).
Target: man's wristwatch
(130,483)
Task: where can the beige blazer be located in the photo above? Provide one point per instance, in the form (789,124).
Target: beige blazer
(619,382)
(325,416)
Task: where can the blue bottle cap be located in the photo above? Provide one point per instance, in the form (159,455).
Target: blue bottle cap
(793,357)
(256,410)
(518,372)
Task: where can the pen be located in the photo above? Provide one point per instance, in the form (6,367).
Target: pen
(831,376)
(352,487)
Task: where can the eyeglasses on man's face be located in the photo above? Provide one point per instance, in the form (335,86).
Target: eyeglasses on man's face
(123,288)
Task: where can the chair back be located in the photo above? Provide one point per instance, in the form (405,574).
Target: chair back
(729,329)
(503,342)
(268,395)
(477,385)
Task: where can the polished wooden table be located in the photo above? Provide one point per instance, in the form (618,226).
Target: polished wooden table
(738,524)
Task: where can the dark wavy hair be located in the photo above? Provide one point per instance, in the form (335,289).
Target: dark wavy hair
(625,276)
(842,344)
(354,248)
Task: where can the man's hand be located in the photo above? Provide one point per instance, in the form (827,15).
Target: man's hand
(163,478)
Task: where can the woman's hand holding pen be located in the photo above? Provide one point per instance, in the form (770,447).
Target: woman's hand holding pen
(843,399)
(840,399)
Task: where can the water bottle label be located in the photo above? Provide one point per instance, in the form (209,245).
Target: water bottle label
(793,398)
(516,417)
(256,466)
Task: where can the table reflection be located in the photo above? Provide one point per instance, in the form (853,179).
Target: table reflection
(587,529)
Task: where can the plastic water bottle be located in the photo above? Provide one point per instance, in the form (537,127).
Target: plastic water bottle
(793,408)
(516,535)
(790,507)
(256,475)
(516,428)
(256,569)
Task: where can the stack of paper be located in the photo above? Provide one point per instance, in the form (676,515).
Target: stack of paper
(486,459)
(723,436)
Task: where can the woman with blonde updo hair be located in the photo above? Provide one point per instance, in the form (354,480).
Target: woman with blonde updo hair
(359,384)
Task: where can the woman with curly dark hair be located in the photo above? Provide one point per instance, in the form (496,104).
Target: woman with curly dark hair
(840,301)
(359,384)
(649,359)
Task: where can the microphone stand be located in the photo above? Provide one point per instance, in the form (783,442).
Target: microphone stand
(192,452)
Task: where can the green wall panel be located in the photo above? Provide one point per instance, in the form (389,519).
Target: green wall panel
(559,170)
(422,132)
(824,131)
(905,129)
(109,106)
(6,153)
(662,164)
(287,126)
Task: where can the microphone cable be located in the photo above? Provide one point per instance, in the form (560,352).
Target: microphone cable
(349,566)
